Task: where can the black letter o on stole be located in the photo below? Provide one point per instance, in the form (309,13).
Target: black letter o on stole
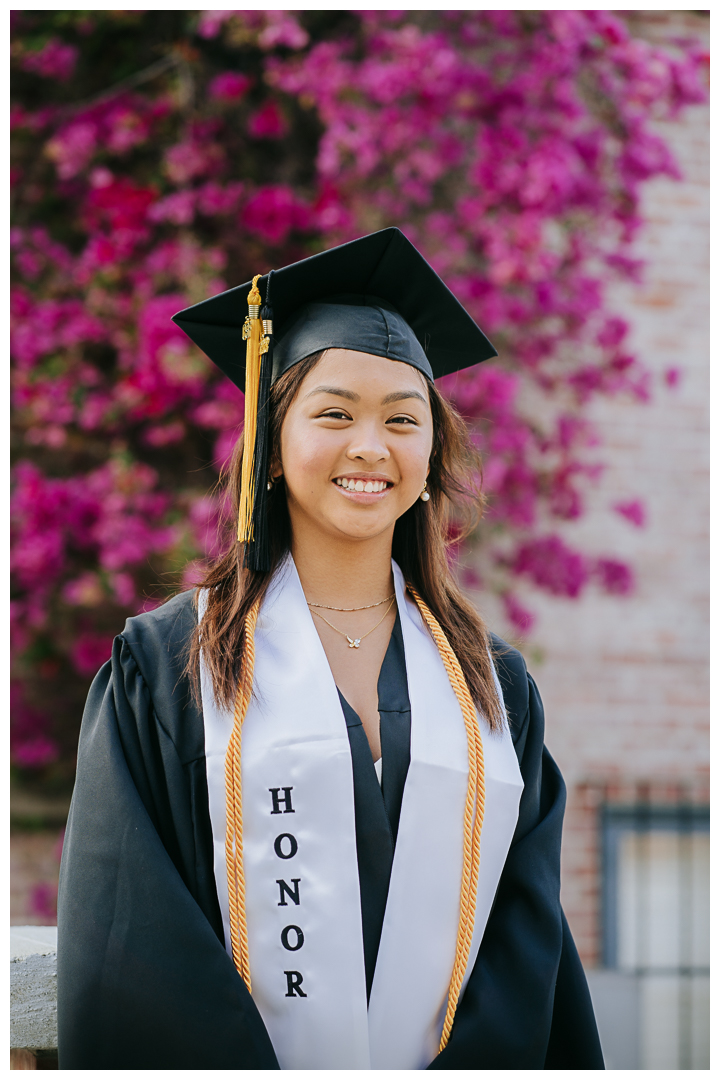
(299,942)
(279,846)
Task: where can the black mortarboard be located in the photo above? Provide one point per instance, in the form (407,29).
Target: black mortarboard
(375,295)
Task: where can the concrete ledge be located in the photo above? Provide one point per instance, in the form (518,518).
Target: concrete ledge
(33,997)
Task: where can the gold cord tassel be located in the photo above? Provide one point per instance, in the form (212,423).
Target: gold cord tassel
(233,806)
(472,820)
(473,817)
(252,332)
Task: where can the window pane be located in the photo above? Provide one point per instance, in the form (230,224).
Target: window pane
(663,900)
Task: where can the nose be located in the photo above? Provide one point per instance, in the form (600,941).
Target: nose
(369,443)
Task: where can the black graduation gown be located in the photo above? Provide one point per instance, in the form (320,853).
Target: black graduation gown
(144,981)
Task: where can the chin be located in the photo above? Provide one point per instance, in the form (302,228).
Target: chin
(354,527)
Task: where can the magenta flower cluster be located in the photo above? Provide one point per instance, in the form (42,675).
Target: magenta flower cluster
(510,146)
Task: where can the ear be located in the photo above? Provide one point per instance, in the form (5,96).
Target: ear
(275,470)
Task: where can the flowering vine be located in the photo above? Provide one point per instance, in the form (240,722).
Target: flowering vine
(160,157)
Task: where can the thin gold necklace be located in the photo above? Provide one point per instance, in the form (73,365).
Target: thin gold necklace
(365,607)
(354,643)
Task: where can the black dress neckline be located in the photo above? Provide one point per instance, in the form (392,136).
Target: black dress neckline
(378,805)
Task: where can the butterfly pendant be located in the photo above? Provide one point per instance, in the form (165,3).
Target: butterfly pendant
(354,643)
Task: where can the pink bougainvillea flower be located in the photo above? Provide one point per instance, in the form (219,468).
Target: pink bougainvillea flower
(274,212)
(46,326)
(614,577)
(178,208)
(85,590)
(330,211)
(470,577)
(73,147)
(211,23)
(268,122)
(119,205)
(123,588)
(282,28)
(35,752)
(187,160)
(229,86)
(100,177)
(633,511)
(519,617)
(156,331)
(223,450)
(90,651)
(43,901)
(55,60)
(213,198)
(552,565)
(164,434)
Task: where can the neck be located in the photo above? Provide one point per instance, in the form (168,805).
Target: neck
(344,573)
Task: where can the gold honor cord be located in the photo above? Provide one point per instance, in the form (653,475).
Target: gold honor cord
(472,821)
(473,817)
(233,805)
(252,333)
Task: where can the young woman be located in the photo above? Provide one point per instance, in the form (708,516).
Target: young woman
(314,824)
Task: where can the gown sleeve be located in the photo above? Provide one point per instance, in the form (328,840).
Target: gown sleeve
(144,981)
(526,1004)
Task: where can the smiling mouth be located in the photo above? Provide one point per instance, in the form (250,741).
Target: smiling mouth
(367,487)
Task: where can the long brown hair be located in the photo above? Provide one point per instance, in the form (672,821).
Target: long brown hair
(420,547)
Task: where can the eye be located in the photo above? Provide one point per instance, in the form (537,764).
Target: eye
(401,420)
(334,414)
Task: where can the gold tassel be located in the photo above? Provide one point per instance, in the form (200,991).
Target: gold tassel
(252,331)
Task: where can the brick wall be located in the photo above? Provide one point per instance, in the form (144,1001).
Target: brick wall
(625,681)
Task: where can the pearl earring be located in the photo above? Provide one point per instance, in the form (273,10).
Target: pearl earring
(425,494)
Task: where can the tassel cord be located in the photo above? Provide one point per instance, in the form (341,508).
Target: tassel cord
(251,334)
(233,801)
(472,818)
(257,552)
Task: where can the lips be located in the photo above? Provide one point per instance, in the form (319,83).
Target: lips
(367,487)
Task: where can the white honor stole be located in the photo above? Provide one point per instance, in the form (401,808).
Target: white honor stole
(301,874)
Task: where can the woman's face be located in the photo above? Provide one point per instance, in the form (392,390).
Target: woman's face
(357,422)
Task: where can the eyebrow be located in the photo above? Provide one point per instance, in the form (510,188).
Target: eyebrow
(401,395)
(336,390)
(350,395)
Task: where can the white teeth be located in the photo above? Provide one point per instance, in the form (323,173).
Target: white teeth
(360,485)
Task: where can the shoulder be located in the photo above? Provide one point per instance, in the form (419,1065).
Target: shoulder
(167,626)
(151,659)
(514,681)
(158,643)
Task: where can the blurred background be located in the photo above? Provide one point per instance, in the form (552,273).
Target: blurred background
(553,168)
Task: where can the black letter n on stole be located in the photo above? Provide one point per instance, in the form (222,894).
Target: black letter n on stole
(294,978)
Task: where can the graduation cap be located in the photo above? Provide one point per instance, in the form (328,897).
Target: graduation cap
(375,295)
